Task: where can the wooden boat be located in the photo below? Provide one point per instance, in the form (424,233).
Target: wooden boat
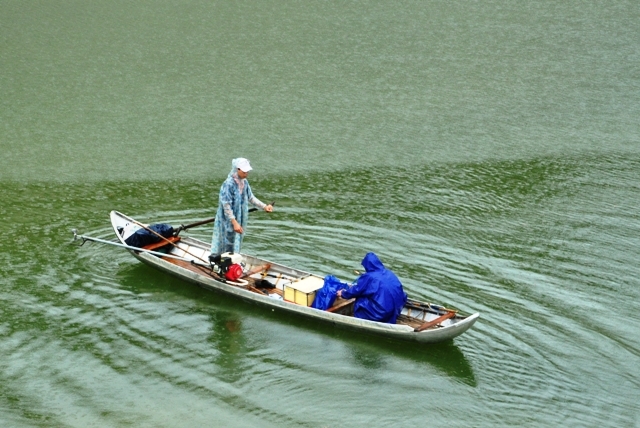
(284,288)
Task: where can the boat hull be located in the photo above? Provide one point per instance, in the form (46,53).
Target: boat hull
(197,273)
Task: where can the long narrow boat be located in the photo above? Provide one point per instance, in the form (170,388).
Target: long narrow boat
(283,288)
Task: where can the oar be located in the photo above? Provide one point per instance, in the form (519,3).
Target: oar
(129,247)
(189,226)
(200,223)
(207,221)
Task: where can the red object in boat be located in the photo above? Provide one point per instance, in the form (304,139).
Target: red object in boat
(234,272)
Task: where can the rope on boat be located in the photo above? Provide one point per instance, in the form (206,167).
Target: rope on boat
(239,282)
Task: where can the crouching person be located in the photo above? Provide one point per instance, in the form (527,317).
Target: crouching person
(378,292)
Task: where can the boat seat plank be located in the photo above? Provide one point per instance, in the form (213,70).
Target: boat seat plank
(340,303)
(162,243)
(436,321)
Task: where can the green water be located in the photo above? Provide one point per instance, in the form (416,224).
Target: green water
(488,152)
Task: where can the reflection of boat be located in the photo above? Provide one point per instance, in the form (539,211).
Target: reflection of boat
(281,287)
(445,357)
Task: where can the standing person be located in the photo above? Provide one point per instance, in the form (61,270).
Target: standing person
(233,209)
(378,292)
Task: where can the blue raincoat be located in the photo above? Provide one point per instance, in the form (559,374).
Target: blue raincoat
(378,292)
(235,197)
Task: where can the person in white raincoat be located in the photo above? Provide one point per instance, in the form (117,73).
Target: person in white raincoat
(233,209)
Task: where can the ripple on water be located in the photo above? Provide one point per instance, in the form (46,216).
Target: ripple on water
(545,250)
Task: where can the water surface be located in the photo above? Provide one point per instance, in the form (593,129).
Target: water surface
(487,152)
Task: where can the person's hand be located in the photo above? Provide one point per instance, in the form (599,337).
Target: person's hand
(339,294)
(269,208)
(236,226)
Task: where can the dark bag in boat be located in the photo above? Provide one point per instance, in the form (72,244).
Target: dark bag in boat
(327,294)
(142,237)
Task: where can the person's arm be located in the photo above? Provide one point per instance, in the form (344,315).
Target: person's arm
(257,202)
(228,213)
(357,290)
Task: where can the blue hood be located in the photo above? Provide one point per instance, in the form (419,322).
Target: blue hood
(372,263)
